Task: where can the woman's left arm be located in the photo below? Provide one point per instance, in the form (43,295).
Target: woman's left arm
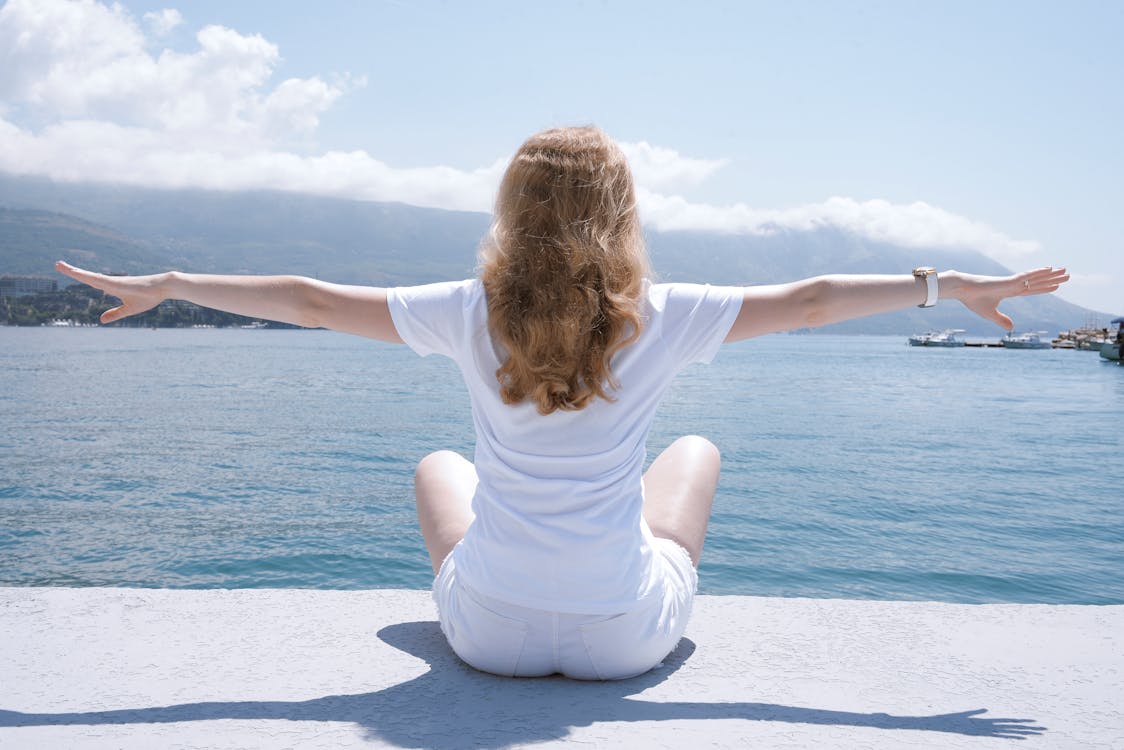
(823,300)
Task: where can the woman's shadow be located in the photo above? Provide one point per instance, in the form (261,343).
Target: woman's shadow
(453,706)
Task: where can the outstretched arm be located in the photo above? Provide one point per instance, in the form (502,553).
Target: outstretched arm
(291,299)
(822,300)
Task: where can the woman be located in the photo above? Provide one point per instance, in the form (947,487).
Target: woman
(554,552)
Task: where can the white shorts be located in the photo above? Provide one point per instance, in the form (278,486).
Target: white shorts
(505,639)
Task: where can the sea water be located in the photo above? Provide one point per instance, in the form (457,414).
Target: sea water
(852,466)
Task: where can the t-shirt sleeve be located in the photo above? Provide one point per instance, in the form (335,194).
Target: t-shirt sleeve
(433,318)
(695,319)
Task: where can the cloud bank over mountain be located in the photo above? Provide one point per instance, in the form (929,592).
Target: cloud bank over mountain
(91,92)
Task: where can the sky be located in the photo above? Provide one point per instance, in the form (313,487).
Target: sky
(994,126)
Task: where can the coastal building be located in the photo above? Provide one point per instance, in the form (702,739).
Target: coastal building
(22,286)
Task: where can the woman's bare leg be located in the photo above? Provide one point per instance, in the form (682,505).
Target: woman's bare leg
(679,490)
(444,483)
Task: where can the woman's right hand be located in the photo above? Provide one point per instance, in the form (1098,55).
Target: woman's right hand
(982,294)
(137,293)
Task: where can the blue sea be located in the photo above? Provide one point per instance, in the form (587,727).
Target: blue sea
(852,466)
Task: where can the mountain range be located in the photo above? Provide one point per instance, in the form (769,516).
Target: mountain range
(122,229)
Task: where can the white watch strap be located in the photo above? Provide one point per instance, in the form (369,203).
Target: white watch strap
(932,288)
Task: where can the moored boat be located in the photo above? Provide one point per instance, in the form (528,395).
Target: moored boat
(1113,349)
(920,339)
(1088,338)
(947,337)
(1028,340)
(1092,344)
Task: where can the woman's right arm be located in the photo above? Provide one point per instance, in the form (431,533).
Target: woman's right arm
(822,300)
(290,299)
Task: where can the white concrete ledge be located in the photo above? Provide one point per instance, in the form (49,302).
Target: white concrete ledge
(143,668)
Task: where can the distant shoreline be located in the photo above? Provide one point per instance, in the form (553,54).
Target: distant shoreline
(80,306)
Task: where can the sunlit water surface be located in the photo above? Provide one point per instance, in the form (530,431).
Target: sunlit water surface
(852,466)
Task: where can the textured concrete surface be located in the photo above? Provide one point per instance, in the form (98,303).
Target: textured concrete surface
(138,668)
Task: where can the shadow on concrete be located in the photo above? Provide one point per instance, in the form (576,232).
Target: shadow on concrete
(453,706)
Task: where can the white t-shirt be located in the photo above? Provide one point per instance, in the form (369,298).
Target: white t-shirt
(558,506)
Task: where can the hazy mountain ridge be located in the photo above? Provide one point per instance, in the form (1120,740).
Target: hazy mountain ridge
(27,237)
(136,230)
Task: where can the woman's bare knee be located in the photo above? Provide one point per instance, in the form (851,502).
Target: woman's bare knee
(679,490)
(698,448)
(444,483)
(438,461)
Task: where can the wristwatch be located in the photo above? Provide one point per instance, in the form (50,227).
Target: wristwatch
(930,276)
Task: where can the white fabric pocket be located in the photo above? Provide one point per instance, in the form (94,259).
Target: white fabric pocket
(630,644)
(483,639)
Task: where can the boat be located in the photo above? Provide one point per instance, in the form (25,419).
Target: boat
(920,339)
(1092,343)
(947,337)
(1088,338)
(1029,340)
(1112,349)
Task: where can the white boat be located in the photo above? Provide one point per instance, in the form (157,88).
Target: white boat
(1113,349)
(1029,340)
(947,337)
(1088,338)
(1092,344)
(921,339)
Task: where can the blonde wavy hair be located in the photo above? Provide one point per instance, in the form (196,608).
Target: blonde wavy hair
(563,269)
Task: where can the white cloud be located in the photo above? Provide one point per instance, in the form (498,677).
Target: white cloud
(1101,280)
(1096,290)
(163,21)
(80,150)
(49,44)
(656,167)
(295,105)
(105,107)
(913,225)
(88,61)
